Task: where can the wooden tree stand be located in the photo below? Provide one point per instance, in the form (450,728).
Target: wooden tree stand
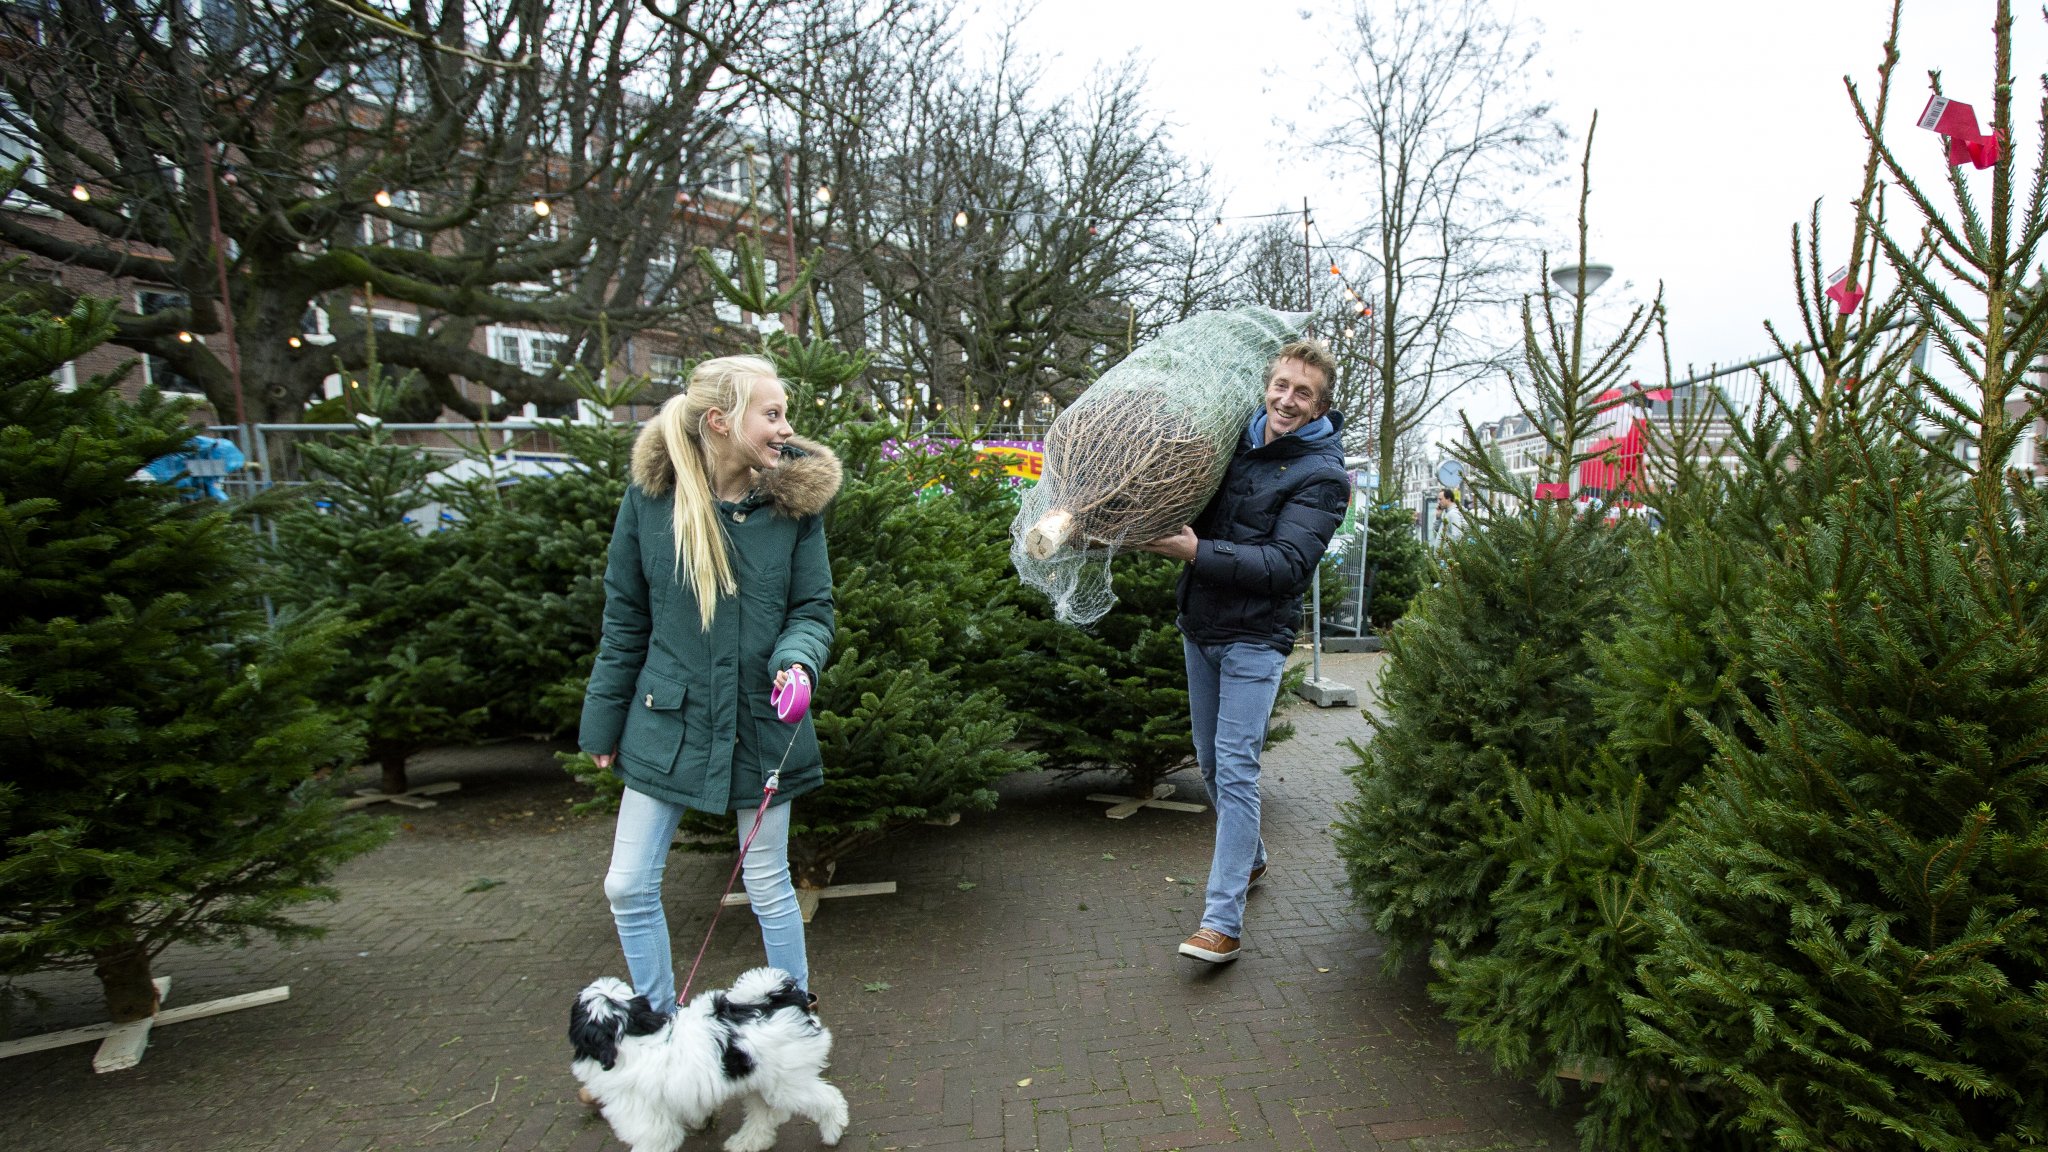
(1122,806)
(410,798)
(807,897)
(122,1045)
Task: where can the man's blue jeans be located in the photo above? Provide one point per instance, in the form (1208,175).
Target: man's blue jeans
(633,885)
(1231,688)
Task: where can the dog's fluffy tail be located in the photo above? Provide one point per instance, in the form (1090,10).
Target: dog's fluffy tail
(765,990)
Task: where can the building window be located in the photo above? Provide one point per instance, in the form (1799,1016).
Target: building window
(658,287)
(157,371)
(536,353)
(669,373)
(16,148)
(388,320)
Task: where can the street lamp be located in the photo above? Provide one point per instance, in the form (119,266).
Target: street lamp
(1569,277)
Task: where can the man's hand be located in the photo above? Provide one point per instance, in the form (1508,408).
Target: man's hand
(1181,545)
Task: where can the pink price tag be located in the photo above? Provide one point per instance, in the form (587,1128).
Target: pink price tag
(793,699)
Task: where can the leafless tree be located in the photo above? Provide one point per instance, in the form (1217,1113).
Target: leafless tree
(1436,117)
(994,241)
(483,161)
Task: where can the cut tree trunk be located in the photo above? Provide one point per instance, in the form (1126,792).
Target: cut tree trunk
(124,979)
(393,763)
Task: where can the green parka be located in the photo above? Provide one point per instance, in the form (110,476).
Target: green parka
(688,710)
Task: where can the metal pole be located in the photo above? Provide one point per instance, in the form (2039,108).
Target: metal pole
(1308,263)
(1364,572)
(1315,584)
(220,264)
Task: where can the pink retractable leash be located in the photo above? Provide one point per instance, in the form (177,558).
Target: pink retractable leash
(792,699)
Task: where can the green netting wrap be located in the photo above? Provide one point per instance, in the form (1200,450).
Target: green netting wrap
(1141,452)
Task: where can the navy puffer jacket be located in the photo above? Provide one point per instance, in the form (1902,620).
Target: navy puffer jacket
(1261,537)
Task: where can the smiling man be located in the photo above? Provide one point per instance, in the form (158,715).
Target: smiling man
(1250,555)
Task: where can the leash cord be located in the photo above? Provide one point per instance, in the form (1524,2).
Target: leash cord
(768,789)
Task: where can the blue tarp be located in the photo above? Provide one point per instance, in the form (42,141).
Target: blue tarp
(199,468)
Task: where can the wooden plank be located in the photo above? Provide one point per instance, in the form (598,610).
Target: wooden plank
(123,1047)
(878,888)
(70,1036)
(410,798)
(1177,806)
(1123,805)
(48,1040)
(807,903)
(224,1004)
(951,819)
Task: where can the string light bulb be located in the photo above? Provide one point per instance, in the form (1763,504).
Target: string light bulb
(541,207)
(960,218)
(79,193)
(295,342)
(383,197)
(1334,272)
(1006,401)
(184,337)
(824,194)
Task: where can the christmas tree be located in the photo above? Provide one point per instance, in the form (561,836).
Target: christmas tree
(1397,560)
(1547,998)
(156,741)
(351,547)
(532,549)
(1848,935)
(1486,689)
(909,724)
(1111,696)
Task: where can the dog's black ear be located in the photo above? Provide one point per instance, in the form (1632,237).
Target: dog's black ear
(642,1019)
(595,1037)
(788,995)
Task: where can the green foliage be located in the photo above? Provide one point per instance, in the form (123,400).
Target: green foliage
(1110,696)
(533,553)
(1850,932)
(1487,677)
(909,726)
(1398,561)
(350,548)
(156,742)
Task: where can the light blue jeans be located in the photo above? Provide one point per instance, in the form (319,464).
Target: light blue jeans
(640,849)
(1231,688)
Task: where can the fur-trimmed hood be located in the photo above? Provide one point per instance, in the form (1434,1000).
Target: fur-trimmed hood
(802,485)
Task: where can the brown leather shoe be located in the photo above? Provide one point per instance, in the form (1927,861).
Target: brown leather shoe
(1257,875)
(1211,945)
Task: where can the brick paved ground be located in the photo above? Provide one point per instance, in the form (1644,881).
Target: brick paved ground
(1020,991)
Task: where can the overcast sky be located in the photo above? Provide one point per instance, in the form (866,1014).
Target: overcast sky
(1720,124)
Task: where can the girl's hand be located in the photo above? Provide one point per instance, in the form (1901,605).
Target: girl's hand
(783,677)
(603,761)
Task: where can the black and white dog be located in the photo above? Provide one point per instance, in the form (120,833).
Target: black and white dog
(658,1077)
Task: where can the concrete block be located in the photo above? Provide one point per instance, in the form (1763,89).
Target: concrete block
(1327,693)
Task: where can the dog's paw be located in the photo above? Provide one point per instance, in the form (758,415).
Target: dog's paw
(832,1127)
(746,1141)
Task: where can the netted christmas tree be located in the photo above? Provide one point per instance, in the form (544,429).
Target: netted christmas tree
(1849,944)
(350,546)
(1486,687)
(157,741)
